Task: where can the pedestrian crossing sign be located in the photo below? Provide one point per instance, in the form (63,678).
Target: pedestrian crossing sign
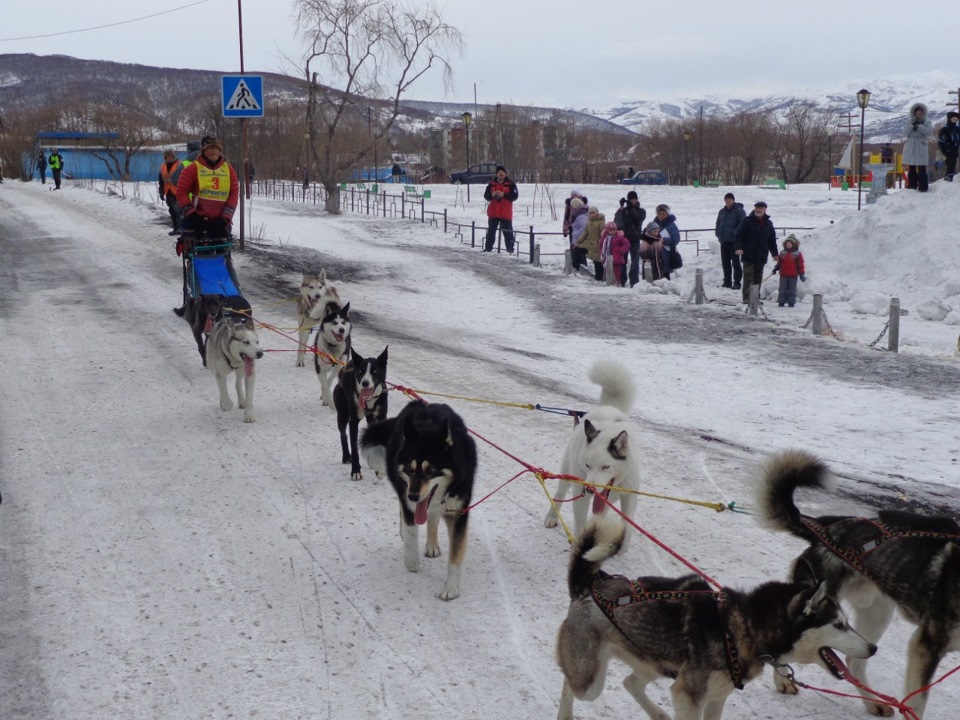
(242,96)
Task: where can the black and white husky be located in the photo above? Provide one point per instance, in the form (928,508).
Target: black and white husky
(708,641)
(431,462)
(331,347)
(315,295)
(896,560)
(233,347)
(361,393)
(603,450)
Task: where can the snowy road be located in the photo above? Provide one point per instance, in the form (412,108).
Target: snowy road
(162,559)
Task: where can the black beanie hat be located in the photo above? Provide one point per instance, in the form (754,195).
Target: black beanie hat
(729,196)
(632,195)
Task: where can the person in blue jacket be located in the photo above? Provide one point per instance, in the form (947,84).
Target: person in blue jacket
(948,140)
(728,219)
(669,237)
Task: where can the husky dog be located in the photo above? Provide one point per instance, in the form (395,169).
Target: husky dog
(203,311)
(315,295)
(603,450)
(894,560)
(708,642)
(361,392)
(332,344)
(233,346)
(431,462)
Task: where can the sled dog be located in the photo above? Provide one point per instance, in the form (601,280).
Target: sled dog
(431,461)
(203,311)
(331,347)
(315,295)
(233,347)
(709,642)
(361,392)
(603,449)
(896,560)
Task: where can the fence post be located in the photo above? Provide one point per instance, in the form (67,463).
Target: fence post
(403,205)
(817,314)
(423,210)
(755,299)
(893,344)
(473,233)
(608,270)
(444,220)
(531,245)
(698,287)
(567,262)
(536,255)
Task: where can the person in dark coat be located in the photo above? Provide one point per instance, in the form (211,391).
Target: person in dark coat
(948,140)
(42,167)
(633,218)
(756,238)
(500,194)
(55,161)
(728,219)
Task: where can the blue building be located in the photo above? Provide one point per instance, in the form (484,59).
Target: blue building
(93,156)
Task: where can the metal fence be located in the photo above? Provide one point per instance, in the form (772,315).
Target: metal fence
(411,204)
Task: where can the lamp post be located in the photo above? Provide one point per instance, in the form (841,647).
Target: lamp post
(863,99)
(369,133)
(467,117)
(686,143)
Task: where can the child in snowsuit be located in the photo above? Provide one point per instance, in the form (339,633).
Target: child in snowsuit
(790,266)
(613,243)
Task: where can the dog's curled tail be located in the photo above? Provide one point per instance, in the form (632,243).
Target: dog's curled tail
(599,541)
(617,387)
(782,474)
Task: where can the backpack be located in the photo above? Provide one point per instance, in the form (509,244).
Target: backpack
(619,217)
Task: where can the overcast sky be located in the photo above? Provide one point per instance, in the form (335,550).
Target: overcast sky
(566,53)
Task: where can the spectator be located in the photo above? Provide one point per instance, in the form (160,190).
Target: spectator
(215,189)
(55,161)
(614,244)
(728,219)
(651,249)
(578,221)
(949,142)
(886,153)
(42,167)
(669,237)
(396,172)
(633,219)
(168,177)
(916,150)
(756,237)
(567,220)
(588,242)
(500,195)
(790,266)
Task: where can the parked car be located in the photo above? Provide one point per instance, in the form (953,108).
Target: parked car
(478,173)
(646,177)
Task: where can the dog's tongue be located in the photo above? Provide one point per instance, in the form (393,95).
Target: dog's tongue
(420,514)
(598,501)
(247,366)
(208,325)
(364,395)
(834,663)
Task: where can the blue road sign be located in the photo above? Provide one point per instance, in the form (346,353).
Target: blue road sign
(242,96)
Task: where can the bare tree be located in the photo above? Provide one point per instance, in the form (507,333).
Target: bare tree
(800,141)
(134,133)
(365,51)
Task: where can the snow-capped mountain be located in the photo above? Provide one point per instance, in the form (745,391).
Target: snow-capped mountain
(890,101)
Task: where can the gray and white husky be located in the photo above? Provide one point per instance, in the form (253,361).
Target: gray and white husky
(896,560)
(331,348)
(708,641)
(233,347)
(315,295)
(603,450)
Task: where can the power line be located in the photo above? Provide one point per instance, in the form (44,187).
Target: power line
(101,27)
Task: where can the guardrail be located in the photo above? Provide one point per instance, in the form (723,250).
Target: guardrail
(386,204)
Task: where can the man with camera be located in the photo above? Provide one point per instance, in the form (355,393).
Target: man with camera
(500,195)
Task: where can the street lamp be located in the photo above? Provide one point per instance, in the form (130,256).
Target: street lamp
(863,99)
(467,117)
(369,134)
(686,143)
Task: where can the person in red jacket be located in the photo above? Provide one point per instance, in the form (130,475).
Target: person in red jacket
(215,192)
(500,195)
(790,266)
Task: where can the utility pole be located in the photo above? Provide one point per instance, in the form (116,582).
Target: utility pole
(954,103)
(700,150)
(245,177)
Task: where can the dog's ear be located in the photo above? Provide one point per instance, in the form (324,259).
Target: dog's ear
(620,445)
(345,309)
(323,276)
(590,431)
(383,356)
(816,602)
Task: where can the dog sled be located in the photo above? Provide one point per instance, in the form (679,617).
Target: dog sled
(207,267)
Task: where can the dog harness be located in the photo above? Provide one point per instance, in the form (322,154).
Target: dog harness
(638,593)
(854,556)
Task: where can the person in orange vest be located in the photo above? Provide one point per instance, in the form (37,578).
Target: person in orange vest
(169,175)
(215,192)
(500,195)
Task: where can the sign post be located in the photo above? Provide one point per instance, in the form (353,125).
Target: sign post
(242,98)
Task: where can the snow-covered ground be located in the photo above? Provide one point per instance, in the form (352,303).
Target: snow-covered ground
(162,559)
